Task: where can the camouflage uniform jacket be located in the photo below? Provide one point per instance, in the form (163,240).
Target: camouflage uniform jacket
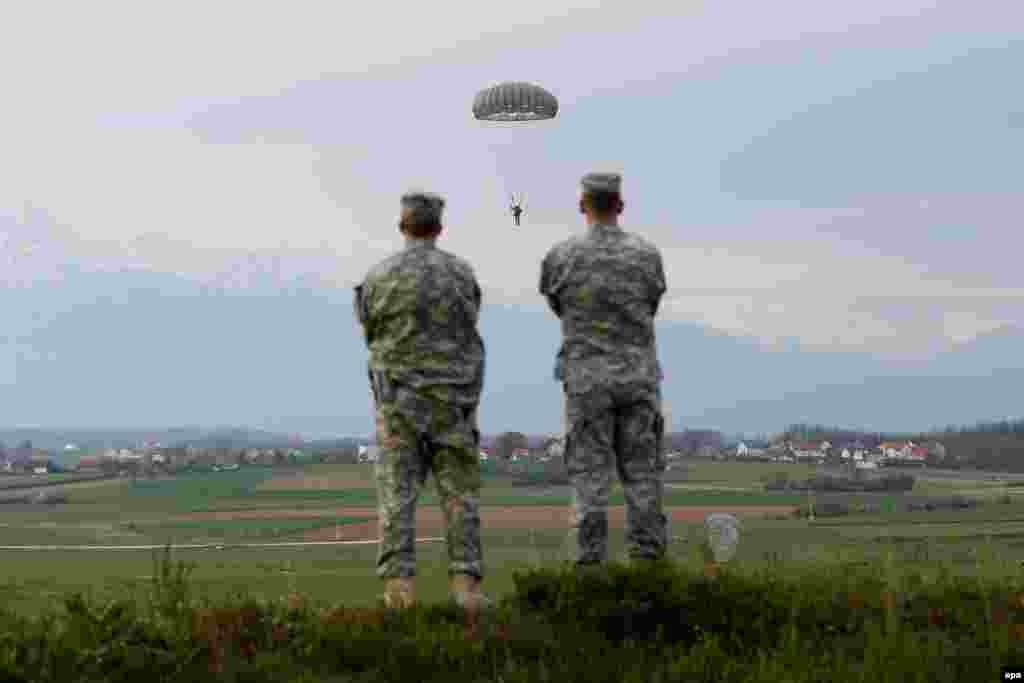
(419,310)
(606,287)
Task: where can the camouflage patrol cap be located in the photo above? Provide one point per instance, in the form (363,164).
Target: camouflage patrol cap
(424,206)
(609,183)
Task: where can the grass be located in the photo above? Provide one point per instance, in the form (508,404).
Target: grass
(341,573)
(101,513)
(913,542)
(750,474)
(182,531)
(18,481)
(202,486)
(821,586)
(793,622)
(296,499)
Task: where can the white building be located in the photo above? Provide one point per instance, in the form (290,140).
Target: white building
(745,451)
(896,449)
(125,455)
(808,450)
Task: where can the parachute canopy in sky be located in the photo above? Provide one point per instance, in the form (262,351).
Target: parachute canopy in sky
(514,101)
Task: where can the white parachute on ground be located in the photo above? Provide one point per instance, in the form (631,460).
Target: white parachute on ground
(722,535)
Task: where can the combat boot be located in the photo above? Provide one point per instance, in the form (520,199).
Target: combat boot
(400,592)
(465,591)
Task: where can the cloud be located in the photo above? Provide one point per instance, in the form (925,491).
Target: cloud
(941,127)
(825,292)
(831,291)
(151,56)
(173,184)
(254,142)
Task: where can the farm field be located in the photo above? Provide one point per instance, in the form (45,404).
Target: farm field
(21,481)
(522,526)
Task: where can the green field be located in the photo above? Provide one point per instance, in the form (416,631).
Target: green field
(199,530)
(987,539)
(8,481)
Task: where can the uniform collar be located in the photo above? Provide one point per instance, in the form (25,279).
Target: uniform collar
(420,243)
(603,229)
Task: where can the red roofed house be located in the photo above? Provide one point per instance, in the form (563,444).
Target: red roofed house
(918,453)
(808,449)
(520,453)
(88,462)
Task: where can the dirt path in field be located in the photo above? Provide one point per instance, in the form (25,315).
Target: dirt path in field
(315,484)
(708,487)
(430,520)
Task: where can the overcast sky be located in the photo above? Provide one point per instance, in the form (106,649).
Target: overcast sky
(845,175)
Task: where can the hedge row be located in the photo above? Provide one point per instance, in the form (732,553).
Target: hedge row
(659,622)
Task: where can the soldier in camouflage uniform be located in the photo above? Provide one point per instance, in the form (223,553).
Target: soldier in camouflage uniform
(418,310)
(605,286)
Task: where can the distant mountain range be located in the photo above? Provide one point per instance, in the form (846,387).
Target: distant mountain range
(138,348)
(85,440)
(88,439)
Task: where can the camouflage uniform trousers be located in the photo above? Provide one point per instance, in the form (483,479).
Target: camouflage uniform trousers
(618,427)
(417,436)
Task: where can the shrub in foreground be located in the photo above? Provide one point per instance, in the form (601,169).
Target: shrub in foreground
(656,622)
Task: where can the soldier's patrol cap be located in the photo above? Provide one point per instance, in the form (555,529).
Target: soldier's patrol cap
(425,206)
(609,183)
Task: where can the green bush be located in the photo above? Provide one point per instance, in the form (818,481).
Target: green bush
(828,483)
(657,622)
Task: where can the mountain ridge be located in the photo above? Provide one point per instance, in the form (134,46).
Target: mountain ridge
(142,348)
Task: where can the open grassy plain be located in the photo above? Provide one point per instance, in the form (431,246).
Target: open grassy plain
(522,527)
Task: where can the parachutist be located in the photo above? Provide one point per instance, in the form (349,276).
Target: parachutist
(517,211)
(515,102)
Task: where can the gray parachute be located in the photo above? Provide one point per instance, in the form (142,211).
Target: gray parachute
(514,101)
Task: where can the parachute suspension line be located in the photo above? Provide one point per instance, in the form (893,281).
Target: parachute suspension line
(520,104)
